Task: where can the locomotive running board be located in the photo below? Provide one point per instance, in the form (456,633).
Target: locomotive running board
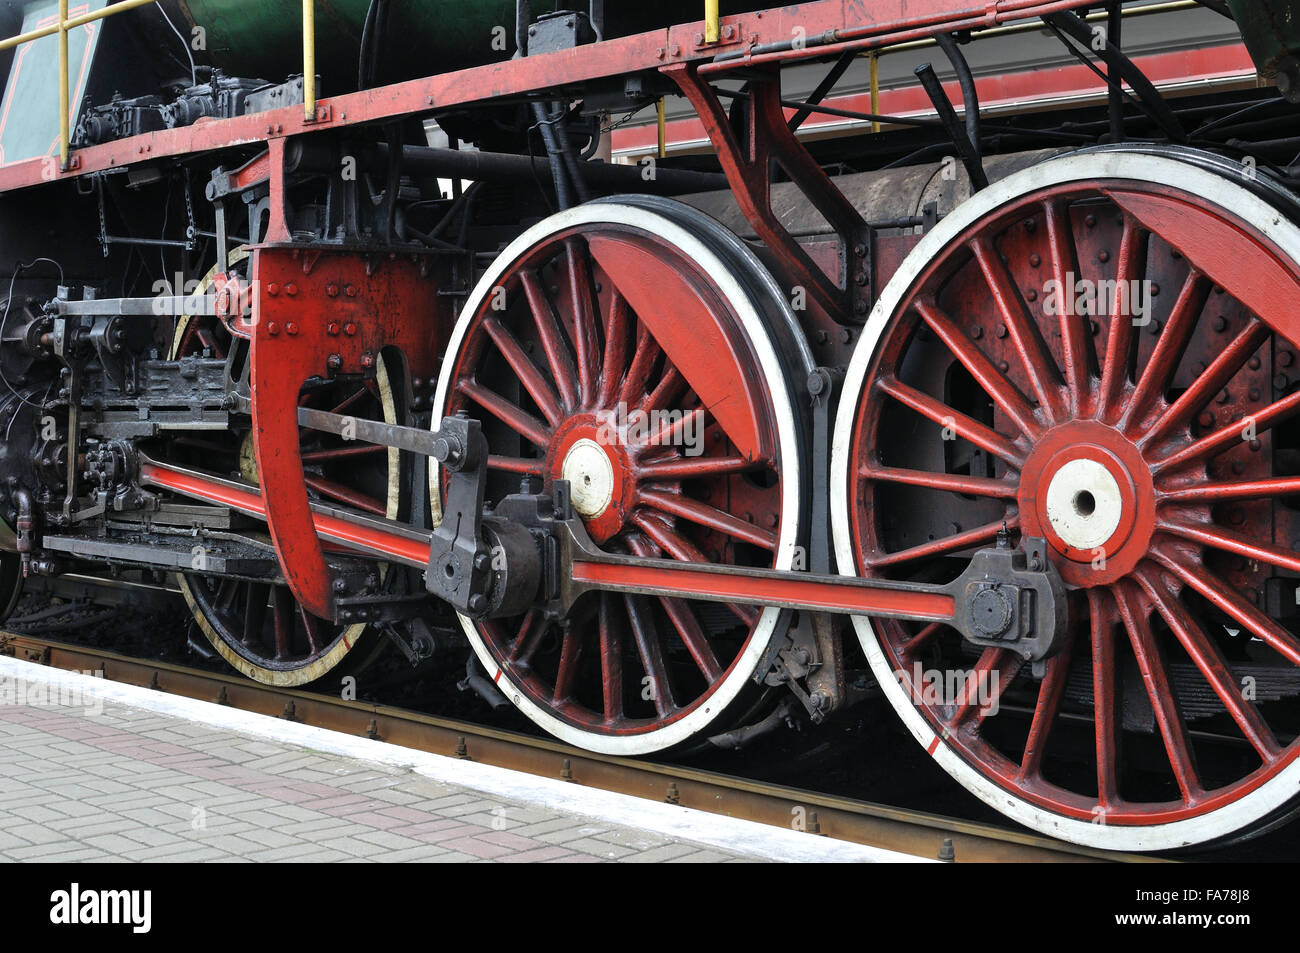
(1006,598)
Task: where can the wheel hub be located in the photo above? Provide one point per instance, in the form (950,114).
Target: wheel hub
(1087,490)
(591,477)
(1084,504)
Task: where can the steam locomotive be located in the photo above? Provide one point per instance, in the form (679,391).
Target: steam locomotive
(342,314)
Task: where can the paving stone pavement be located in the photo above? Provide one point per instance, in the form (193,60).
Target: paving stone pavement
(121,784)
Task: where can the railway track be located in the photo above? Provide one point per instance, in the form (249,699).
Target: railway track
(913,832)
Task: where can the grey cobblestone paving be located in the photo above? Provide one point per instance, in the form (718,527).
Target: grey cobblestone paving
(127,784)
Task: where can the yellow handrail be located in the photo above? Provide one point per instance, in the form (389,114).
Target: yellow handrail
(711,16)
(308,60)
(63,84)
(66,23)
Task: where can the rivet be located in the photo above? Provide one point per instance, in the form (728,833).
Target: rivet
(332,329)
(1220,323)
(272,289)
(1103,256)
(273,329)
(350,291)
(291,289)
(1035,261)
(350,329)
(291,328)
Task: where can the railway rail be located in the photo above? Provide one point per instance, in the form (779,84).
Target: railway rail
(912,832)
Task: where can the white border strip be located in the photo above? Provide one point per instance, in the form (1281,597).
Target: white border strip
(750,839)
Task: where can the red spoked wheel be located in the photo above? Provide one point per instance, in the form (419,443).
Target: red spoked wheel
(628,348)
(256,624)
(1098,351)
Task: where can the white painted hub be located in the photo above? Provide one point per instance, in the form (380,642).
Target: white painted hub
(591,477)
(1084,505)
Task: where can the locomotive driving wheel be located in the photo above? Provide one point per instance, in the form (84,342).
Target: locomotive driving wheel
(257,625)
(1098,351)
(639,352)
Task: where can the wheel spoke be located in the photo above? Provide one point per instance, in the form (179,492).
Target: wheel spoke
(941,547)
(697,643)
(696,468)
(1226,600)
(514,417)
(652,661)
(1169,349)
(1235,543)
(563,371)
(1160,691)
(985,683)
(710,516)
(949,482)
(341,453)
(1076,356)
(1050,692)
(637,381)
(520,465)
(546,399)
(940,413)
(1213,444)
(921,639)
(1120,333)
(528,638)
(283,609)
(1210,661)
(255,613)
(668,389)
(611,660)
(570,654)
(678,547)
(1242,490)
(311,625)
(351,401)
(1002,391)
(1210,382)
(226,593)
(618,325)
(337,491)
(673,432)
(1106,699)
(1035,355)
(585,342)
